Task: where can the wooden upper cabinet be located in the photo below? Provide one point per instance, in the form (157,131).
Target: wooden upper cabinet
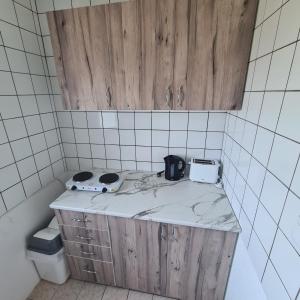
(154,54)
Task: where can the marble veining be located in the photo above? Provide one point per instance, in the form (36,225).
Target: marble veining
(145,196)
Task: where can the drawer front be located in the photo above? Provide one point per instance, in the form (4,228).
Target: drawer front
(88,251)
(85,236)
(91,270)
(79,219)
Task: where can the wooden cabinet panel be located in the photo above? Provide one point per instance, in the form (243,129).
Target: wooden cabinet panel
(87,236)
(153,54)
(220,35)
(88,251)
(90,270)
(198,262)
(138,253)
(78,219)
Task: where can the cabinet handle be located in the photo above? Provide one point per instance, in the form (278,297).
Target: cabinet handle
(84,238)
(168,96)
(180,98)
(78,220)
(108,97)
(88,271)
(87,253)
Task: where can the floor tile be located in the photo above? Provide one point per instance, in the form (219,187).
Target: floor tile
(43,291)
(91,291)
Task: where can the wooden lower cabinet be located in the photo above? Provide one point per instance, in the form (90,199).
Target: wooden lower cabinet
(175,261)
(171,260)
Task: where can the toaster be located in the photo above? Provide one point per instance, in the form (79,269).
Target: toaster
(204,170)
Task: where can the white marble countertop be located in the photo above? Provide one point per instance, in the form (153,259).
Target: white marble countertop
(144,196)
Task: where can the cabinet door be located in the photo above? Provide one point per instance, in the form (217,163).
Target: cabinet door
(220,35)
(81,49)
(138,254)
(198,262)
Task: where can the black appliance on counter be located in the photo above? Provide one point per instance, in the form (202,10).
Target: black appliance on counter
(174,168)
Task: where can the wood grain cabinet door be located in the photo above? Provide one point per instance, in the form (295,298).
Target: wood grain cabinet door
(198,262)
(138,253)
(80,39)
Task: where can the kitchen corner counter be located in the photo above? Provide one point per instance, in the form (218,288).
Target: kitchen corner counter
(144,196)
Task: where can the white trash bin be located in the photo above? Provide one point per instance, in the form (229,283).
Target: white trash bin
(45,249)
(52,268)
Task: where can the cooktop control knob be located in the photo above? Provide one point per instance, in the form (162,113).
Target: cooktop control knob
(74,187)
(104,190)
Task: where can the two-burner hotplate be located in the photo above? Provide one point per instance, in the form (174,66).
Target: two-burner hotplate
(95,181)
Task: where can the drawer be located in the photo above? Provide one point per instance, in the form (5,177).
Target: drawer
(79,219)
(88,251)
(85,236)
(91,270)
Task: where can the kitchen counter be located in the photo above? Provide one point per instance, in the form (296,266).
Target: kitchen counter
(144,196)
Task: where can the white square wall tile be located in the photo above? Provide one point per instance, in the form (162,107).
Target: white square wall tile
(128,165)
(128,153)
(255,43)
(196,139)
(261,11)
(84,150)
(23,84)
(294,82)
(261,73)
(287,265)
(46,176)
(143,166)
(80,3)
(143,153)
(178,139)
(111,136)
(257,254)
(214,140)
(81,135)
(160,121)
(15,128)
(246,227)
(271,7)
(216,121)
(295,187)
(38,142)
(126,120)
(3,136)
(11,36)
(98,151)
(271,109)
(249,136)
(64,119)
(2,207)
(6,156)
(112,152)
(48,121)
(198,121)
(17,60)
(42,160)
(9,176)
(94,119)
(280,68)
(273,196)
(3,60)
(142,120)
(283,158)
(26,167)
(289,121)
(28,105)
(67,135)
(79,119)
(143,137)
(272,284)
(263,145)
(31,185)
(158,154)
(6,84)
(127,137)
(289,222)
(65,4)
(33,124)
(250,203)
(194,153)
(72,164)
(244,162)
(10,107)
(178,121)
(21,148)
(265,228)
(268,34)
(44,6)
(256,176)
(160,138)
(13,196)
(213,154)
(110,119)
(96,136)
(255,102)
(289,24)
(70,150)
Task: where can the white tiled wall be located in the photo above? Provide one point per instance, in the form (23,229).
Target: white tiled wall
(30,148)
(261,151)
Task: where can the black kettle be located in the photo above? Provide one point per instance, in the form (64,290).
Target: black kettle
(174,167)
